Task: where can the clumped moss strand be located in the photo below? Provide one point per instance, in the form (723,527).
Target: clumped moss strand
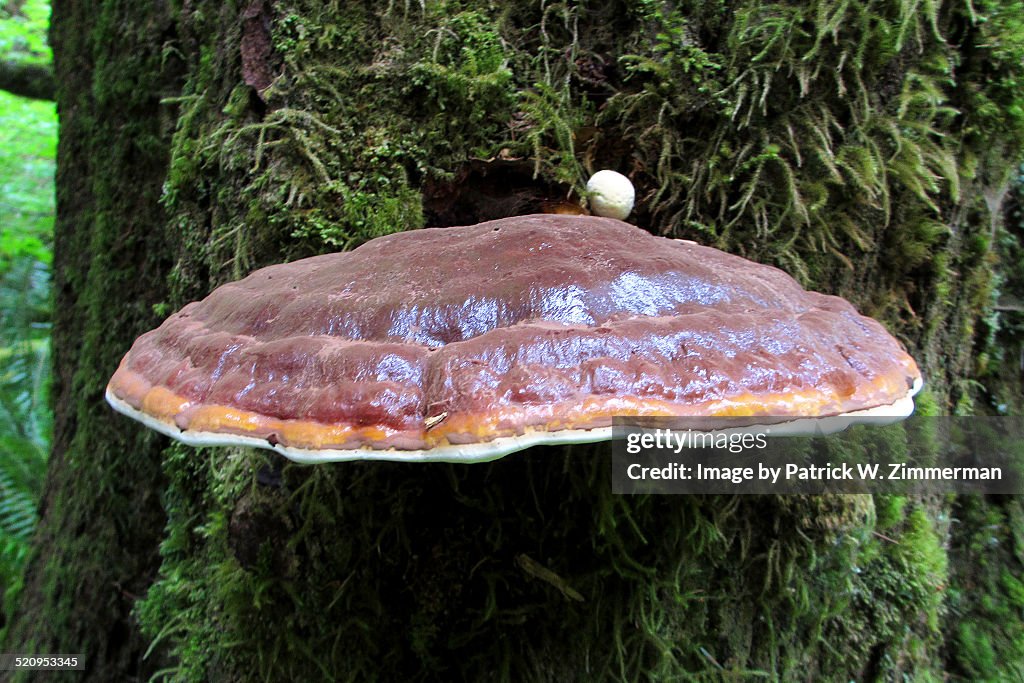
(848,142)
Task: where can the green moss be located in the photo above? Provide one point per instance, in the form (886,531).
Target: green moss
(986,634)
(822,138)
(754,586)
(889,511)
(1001,333)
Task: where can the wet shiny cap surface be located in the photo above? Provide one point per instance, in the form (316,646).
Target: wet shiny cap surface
(434,343)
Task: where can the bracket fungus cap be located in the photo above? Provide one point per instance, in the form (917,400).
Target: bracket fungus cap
(465,344)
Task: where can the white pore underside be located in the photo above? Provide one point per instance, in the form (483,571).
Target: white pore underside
(501,446)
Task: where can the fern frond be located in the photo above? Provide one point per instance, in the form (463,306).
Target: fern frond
(18,515)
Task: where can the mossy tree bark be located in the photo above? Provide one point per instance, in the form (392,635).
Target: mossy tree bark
(862,146)
(96,549)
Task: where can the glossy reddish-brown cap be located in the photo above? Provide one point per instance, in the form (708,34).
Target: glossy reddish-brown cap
(468,343)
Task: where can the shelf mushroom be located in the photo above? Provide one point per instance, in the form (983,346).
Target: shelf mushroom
(466,344)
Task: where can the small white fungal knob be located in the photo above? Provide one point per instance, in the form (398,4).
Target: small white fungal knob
(610,195)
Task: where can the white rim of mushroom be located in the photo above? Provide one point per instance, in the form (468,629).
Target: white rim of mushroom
(501,446)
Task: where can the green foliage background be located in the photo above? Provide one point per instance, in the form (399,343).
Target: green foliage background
(23,28)
(28,138)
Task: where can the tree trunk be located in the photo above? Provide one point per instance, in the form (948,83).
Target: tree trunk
(96,551)
(202,140)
